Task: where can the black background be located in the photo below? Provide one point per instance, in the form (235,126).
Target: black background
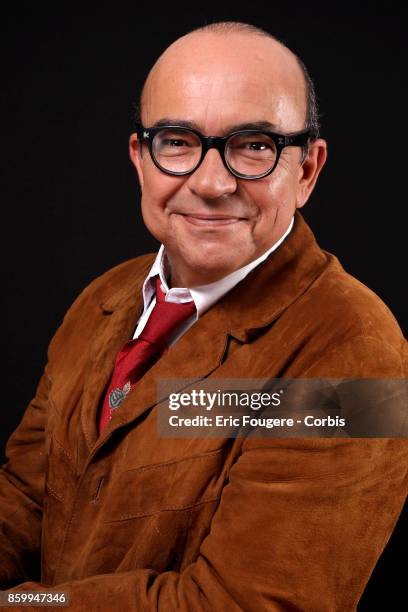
(71,198)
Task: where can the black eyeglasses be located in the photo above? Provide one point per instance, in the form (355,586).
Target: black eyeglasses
(248,154)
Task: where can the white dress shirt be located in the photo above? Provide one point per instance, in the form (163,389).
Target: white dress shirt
(204,296)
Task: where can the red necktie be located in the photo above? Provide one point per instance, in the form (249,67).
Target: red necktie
(139,354)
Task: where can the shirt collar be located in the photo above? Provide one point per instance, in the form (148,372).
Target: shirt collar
(204,296)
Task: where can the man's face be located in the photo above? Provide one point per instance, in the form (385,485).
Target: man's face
(211,222)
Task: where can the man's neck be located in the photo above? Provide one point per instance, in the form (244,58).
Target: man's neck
(193,279)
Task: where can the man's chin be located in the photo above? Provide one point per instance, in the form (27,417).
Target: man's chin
(204,260)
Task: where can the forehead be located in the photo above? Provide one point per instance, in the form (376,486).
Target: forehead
(218,80)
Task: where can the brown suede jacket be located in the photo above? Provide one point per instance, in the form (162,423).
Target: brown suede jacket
(135,521)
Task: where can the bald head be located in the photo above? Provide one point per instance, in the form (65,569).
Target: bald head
(226,47)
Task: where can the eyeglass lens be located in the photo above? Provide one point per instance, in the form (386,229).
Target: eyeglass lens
(249,154)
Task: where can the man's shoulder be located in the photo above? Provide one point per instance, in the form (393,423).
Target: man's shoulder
(130,272)
(342,307)
(339,327)
(115,283)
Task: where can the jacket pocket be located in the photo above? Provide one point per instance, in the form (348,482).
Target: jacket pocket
(171,486)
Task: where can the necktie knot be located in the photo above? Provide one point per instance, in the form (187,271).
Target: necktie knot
(165,317)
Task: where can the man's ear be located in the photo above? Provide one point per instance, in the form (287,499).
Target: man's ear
(135,156)
(310,170)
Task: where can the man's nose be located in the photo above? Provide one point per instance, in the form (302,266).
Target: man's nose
(212,179)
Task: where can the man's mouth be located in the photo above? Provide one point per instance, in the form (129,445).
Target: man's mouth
(206,220)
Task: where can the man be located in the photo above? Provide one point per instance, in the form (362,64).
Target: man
(122,517)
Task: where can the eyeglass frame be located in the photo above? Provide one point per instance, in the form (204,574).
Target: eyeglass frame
(297,139)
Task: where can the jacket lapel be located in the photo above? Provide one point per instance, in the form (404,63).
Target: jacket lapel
(118,315)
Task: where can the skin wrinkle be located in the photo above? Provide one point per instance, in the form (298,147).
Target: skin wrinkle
(216,81)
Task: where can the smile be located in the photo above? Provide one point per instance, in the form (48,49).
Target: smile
(210,220)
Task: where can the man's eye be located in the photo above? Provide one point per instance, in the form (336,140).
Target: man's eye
(257,146)
(173,142)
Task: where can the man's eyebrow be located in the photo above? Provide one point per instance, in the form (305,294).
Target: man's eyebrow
(248,125)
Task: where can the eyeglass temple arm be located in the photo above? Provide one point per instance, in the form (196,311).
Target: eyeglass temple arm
(298,139)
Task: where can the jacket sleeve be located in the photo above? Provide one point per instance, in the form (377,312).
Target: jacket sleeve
(300,526)
(22,477)
(22,490)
